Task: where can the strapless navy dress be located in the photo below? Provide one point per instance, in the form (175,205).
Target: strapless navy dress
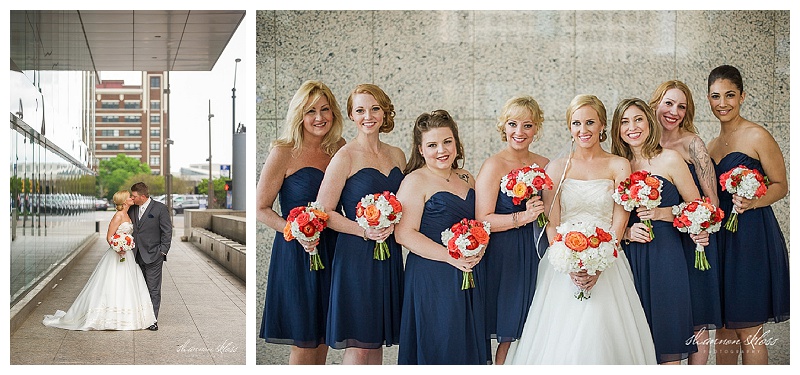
(366,294)
(296,303)
(754,260)
(706,306)
(662,281)
(512,262)
(440,323)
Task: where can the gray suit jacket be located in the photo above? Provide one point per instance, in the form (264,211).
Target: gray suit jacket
(153,233)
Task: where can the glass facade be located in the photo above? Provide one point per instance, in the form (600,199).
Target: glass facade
(52,207)
(51,138)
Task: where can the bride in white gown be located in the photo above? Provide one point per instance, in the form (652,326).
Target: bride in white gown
(610,327)
(116,296)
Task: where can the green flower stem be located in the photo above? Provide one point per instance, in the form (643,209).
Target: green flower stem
(542,220)
(649,225)
(316,263)
(381,251)
(733,222)
(468,281)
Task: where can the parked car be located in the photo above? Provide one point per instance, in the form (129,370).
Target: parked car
(101,204)
(189,203)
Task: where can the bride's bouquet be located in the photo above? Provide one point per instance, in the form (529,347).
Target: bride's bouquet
(466,238)
(580,246)
(640,189)
(122,243)
(379,211)
(695,217)
(306,223)
(744,182)
(523,183)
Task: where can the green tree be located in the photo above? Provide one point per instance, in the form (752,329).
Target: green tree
(155,184)
(219,191)
(112,173)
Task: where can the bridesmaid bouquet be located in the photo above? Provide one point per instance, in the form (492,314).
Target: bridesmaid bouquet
(695,217)
(744,182)
(379,211)
(122,243)
(523,183)
(466,238)
(580,246)
(306,223)
(640,189)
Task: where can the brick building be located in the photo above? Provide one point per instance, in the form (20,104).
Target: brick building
(132,120)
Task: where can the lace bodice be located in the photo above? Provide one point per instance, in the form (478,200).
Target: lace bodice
(126,227)
(587,201)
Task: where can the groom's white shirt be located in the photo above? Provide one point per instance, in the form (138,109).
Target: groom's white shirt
(143,207)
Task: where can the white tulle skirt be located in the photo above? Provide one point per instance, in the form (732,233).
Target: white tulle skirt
(608,328)
(114,298)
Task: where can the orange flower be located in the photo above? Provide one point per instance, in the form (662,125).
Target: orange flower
(576,241)
(653,194)
(287,232)
(594,241)
(372,213)
(651,182)
(321,215)
(480,235)
(520,189)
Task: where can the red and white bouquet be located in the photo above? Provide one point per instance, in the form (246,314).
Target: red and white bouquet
(694,217)
(640,189)
(306,223)
(744,182)
(122,243)
(581,246)
(379,211)
(464,239)
(523,183)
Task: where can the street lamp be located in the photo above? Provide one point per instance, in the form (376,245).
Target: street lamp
(233,96)
(210,181)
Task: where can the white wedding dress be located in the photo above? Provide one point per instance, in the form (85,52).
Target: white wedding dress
(608,328)
(114,298)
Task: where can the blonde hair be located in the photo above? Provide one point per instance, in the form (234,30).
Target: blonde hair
(383,101)
(651,147)
(590,100)
(661,90)
(119,199)
(520,105)
(306,96)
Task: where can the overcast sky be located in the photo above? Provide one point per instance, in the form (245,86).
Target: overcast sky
(190,94)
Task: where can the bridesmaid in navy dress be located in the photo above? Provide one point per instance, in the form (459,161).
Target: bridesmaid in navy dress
(754,259)
(674,108)
(659,267)
(512,259)
(440,324)
(296,304)
(366,294)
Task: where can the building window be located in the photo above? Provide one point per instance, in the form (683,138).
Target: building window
(132,104)
(132,146)
(109,133)
(109,146)
(155,82)
(133,118)
(155,104)
(155,160)
(134,133)
(155,146)
(155,132)
(155,119)
(110,104)
(109,119)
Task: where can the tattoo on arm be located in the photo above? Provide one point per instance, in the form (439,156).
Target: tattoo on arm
(703,165)
(463,176)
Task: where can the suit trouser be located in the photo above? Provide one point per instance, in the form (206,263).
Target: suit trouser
(152,276)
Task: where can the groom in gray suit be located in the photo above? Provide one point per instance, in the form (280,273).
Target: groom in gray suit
(152,232)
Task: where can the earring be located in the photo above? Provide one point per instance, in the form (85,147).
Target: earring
(603,135)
